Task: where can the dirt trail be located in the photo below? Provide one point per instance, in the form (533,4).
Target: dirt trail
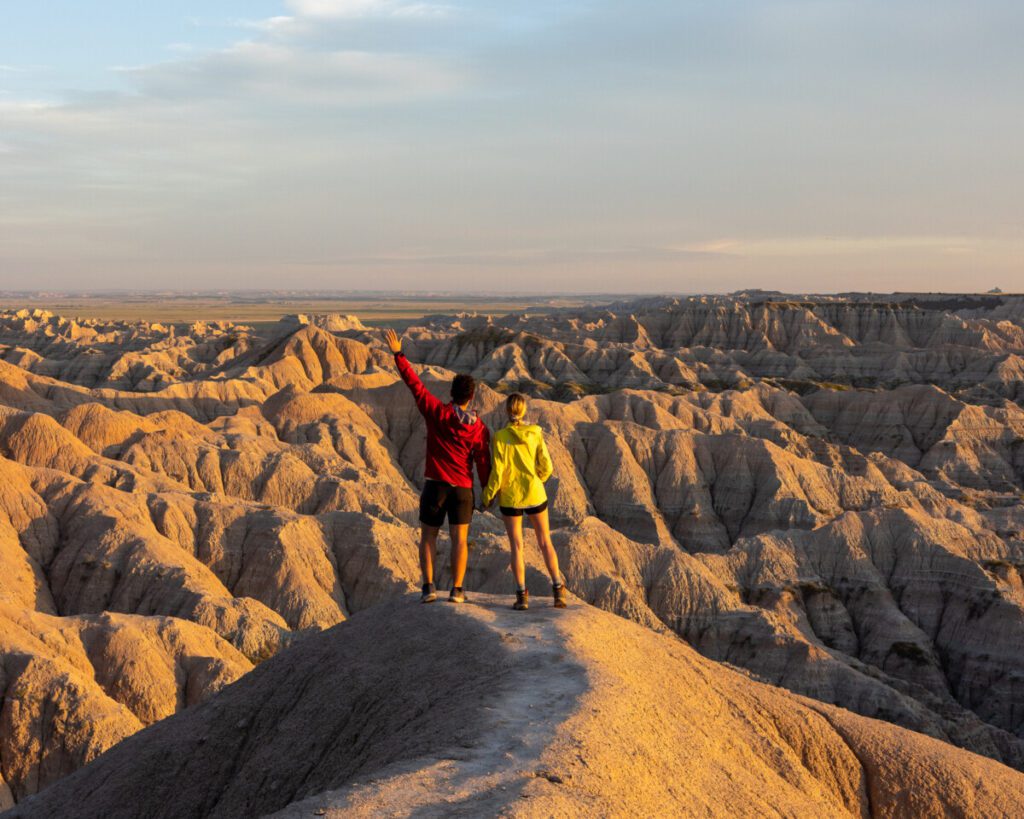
(541,685)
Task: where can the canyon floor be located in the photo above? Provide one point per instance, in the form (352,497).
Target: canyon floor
(793,526)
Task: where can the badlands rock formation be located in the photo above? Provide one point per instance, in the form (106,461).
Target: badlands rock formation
(717,341)
(558,714)
(825,492)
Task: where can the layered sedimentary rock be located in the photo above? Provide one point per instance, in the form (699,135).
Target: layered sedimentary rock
(730,472)
(718,341)
(75,686)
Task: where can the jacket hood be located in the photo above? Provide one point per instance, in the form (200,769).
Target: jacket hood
(463,423)
(523,432)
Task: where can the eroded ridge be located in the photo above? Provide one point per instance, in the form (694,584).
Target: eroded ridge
(859,542)
(409,710)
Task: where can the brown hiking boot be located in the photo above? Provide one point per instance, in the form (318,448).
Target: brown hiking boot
(522,600)
(558,592)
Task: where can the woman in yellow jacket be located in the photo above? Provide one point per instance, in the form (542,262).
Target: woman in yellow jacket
(519,466)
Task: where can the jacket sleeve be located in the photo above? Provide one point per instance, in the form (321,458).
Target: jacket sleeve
(426,403)
(544,465)
(494,482)
(482,456)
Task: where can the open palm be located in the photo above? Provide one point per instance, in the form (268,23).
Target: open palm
(394,342)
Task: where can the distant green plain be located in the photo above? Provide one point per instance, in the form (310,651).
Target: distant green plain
(401,311)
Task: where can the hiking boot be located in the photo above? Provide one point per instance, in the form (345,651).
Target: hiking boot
(522,600)
(457,595)
(558,592)
(429,594)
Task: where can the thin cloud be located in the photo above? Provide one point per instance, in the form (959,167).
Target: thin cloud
(516,258)
(812,246)
(23,69)
(269,24)
(366,8)
(273,75)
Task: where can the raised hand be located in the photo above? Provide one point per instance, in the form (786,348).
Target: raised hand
(394,342)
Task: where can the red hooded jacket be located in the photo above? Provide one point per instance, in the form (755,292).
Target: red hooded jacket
(454,443)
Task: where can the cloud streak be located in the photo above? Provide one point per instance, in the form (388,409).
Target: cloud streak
(342,9)
(275,74)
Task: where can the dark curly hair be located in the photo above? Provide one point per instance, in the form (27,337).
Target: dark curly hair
(463,389)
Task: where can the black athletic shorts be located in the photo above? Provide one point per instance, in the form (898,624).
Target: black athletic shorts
(440,499)
(512,512)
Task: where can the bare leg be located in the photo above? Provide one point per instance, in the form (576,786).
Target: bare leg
(543,532)
(460,552)
(428,551)
(514,527)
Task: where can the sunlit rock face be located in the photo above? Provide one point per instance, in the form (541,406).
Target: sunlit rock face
(580,713)
(824,492)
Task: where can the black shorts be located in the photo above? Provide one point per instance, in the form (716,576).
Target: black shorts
(441,499)
(512,512)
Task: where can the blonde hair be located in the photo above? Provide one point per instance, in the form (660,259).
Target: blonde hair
(515,406)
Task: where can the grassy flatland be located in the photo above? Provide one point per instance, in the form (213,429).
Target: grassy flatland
(400,310)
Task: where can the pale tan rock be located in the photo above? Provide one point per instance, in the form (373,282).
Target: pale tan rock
(75,686)
(561,714)
(864,547)
(975,446)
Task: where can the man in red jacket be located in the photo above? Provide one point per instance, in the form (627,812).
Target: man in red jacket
(456,439)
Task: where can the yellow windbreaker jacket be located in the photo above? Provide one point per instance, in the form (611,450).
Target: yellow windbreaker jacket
(519,466)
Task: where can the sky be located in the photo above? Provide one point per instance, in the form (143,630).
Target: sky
(527,147)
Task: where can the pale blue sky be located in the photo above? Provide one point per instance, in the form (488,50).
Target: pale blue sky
(597,146)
